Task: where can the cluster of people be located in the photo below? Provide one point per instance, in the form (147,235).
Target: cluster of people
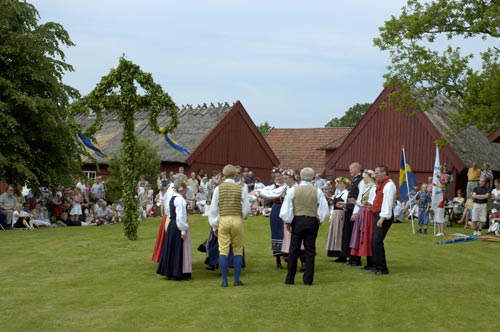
(360,215)
(81,205)
(470,209)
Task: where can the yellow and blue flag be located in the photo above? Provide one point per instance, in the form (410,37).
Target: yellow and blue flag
(91,146)
(407,182)
(173,143)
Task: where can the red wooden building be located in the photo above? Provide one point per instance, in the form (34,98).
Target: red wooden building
(380,134)
(215,135)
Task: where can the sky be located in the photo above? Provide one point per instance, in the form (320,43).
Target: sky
(294,64)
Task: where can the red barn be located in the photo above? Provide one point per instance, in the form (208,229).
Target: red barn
(380,134)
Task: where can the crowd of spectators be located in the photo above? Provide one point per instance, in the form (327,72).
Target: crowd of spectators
(79,205)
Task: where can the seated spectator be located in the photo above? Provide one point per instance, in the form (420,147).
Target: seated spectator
(117,208)
(160,200)
(21,218)
(398,212)
(495,195)
(8,202)
(93,198)
(466,217)
(494,228)
(103,214)
(64,220)
(191,198)
(201,200)
(149,192)
(54,203)
(40,216)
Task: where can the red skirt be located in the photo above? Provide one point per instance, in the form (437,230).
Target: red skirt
(160,237)
(365,239)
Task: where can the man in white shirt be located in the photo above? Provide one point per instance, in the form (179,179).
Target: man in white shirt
(230,205)
(382,208)
(303,209)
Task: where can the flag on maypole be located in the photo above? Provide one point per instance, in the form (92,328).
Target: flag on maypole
(91,146)
(437,190)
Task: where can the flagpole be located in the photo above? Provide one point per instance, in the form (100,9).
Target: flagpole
(408,189)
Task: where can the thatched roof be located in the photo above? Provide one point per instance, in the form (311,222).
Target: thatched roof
(194,125)
(470,144)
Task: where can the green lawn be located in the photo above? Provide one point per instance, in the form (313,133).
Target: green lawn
(93,279)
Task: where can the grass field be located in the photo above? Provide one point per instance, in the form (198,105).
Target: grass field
(93,279)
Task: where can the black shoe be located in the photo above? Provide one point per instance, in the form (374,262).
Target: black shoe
(425,231)
(303,268)
(380,272)
(239,283)
(368,268)
(210,268)
(353,263)
(289,282)
(419,231)
(341,260)
(223,284)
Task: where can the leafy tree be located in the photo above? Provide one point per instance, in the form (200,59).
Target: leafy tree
(147,162)
(264,128)
(351,117)
(38,142)
(117,92)
(420,69)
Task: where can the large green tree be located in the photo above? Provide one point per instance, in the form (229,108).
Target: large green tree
(128,90)
(422,68)
(38,143)
(351,116)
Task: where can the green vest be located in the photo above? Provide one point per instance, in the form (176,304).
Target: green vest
(229,199)
(305,202)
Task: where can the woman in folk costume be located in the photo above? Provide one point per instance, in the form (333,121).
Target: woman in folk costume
(333,243)
(289,177)
(175,261)
(276,192)
(363,223)
(160,237)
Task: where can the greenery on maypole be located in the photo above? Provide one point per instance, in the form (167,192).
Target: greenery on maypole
(117,92)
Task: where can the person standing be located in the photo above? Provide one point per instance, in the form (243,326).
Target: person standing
(230,205)
(480,195)
(385,196)
(333,243)
(304,208)
(423,200)
(357,186)
(276,193)
(175,261)
(473,175)
(98,188)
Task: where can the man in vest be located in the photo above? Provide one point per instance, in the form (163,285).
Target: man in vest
(383,204)
(230,205)
(303,209)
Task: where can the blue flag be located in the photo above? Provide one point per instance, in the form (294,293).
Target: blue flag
(91,146)
(173,143)
(405,174)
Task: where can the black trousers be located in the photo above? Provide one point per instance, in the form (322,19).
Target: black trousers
(378,236)
(303,229)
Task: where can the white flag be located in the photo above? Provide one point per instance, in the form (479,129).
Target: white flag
(437,190)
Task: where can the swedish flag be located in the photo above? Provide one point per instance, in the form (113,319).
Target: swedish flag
(91,146)
(173,143)
(405,174)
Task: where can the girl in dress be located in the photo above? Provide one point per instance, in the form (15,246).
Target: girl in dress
(76,205)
